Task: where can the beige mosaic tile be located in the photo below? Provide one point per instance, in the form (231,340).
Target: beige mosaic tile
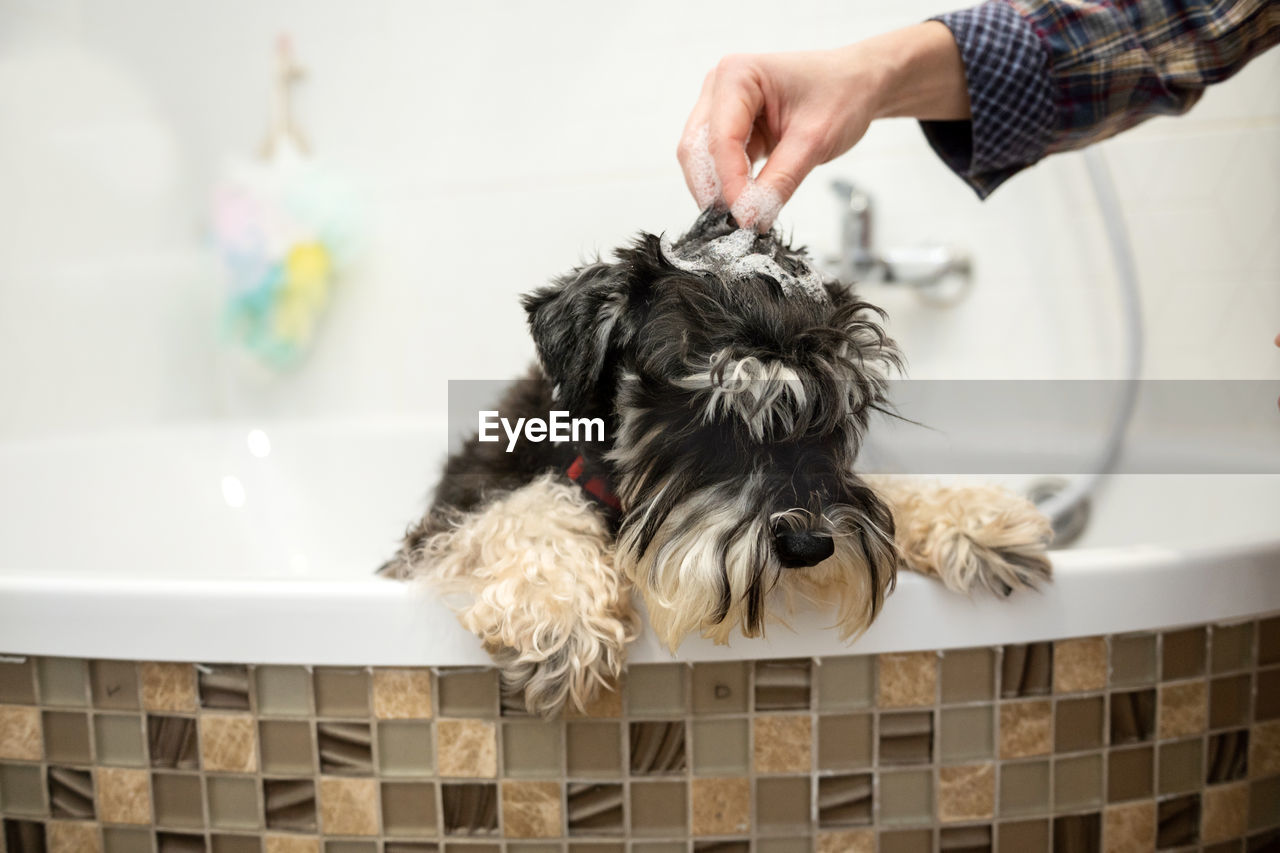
(967,792)
(348,806)
(1264,749)
(1130,828)
(720,806)
(783,744)
(402,694)
(848,841)
(531,809)
(168,686)
(1025,729)
(124,796)
(1079,665)
(290,844)
(1183,709)
(20,733)
(72,836)
(228,742)
(1224,812)
(467,748)
(908,680)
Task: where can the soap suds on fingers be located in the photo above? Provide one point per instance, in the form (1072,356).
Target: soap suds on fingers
(756,207)
(701,167)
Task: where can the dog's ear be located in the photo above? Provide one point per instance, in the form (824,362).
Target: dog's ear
(579,326)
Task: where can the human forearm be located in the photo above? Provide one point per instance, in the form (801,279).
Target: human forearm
(921,74)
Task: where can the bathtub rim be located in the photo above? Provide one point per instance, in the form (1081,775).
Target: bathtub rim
(387,623)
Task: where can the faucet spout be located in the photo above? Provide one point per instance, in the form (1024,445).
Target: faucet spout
(939,273)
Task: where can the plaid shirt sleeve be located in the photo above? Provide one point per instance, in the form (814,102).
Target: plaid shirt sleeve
(1053,75)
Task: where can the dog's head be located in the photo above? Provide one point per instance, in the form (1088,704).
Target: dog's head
(737,386)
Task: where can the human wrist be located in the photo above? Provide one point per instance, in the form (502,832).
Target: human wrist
(916,72)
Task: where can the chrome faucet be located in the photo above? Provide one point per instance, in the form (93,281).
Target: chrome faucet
(938,273)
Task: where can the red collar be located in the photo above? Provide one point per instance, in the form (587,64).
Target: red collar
(594,485)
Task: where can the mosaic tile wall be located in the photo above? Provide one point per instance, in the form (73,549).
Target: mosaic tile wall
(1125,743)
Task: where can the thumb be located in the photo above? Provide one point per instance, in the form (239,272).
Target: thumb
(791,161)
(789,164)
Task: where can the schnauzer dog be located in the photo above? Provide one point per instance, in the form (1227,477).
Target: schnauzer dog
(735,387)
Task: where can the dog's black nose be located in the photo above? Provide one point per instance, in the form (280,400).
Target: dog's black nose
(797,549)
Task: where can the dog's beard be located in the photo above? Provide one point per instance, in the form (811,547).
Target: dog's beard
(709,565)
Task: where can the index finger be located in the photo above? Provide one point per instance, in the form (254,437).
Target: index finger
(695,160)
(736,100)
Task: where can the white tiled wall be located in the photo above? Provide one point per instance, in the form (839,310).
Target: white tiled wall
(498,143)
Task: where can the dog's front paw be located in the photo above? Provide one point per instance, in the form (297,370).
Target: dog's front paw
(989,537)
(1005,552)
(531,574)
(572,674)
(972,536)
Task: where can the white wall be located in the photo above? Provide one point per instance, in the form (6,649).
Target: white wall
(498,143)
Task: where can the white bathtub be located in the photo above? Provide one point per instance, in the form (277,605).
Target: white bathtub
(246,544)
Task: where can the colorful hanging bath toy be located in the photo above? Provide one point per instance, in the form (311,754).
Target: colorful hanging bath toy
(286,228)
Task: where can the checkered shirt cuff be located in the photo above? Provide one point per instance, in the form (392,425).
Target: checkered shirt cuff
(1010,98)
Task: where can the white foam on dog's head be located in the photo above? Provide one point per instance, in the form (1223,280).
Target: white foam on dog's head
(735,256)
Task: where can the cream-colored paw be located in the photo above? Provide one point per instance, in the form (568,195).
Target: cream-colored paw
(573,673)
(970,536)
(531,574)
(1002,552)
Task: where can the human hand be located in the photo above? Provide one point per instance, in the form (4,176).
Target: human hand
(799,110)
